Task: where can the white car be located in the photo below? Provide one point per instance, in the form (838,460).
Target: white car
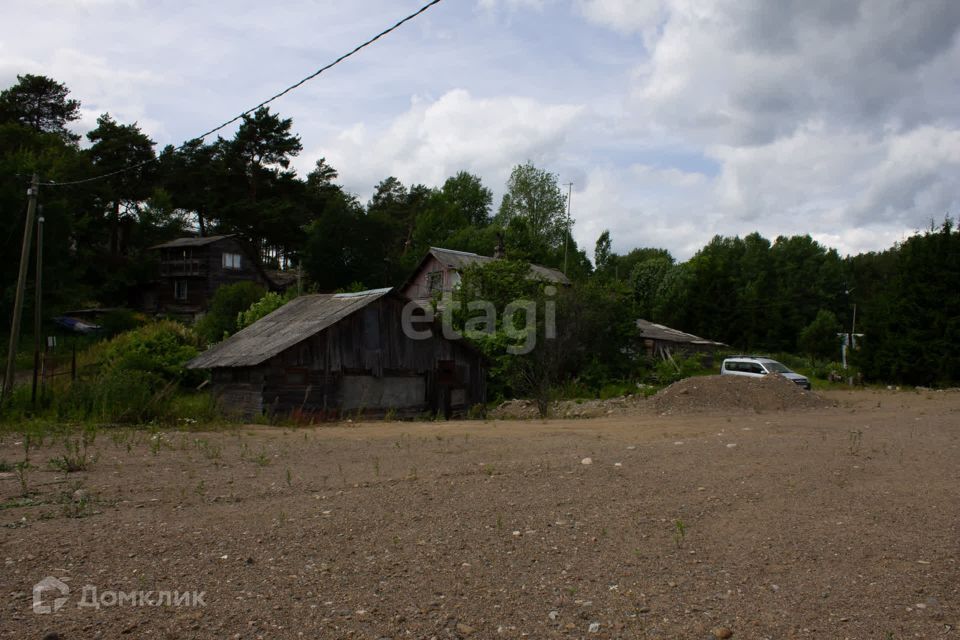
(756,366)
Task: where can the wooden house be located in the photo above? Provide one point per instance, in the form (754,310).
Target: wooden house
(440,269)
(660,341)
(334,354)
(192,269)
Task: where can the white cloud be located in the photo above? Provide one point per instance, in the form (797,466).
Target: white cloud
(434,139)
(625,16)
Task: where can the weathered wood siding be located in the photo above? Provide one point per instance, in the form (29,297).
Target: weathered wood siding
(201,267)
(364,362)
(419,285)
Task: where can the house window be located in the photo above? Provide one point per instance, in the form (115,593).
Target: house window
(180,289)
(231,261)
(435,282)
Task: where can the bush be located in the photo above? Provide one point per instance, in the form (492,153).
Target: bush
(270,302)
(119,320)
(161,348)
(228,302)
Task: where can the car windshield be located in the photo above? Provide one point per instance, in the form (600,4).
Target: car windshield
(776,367)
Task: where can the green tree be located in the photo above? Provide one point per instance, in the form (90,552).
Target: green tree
(534,199)
(42,104)
(117,147)
(602,253)
(819,338)
(466,193)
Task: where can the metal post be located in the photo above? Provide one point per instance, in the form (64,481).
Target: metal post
(21,284)
(37,307)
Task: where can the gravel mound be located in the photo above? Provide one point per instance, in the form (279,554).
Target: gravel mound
(704,394)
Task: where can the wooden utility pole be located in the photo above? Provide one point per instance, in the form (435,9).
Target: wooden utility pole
(21,284)
(37,307)
(566,235)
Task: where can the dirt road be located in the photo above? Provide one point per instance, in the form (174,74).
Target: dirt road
(825,523)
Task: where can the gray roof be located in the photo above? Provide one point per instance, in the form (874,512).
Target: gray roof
(656,331)
(293,322)
(191,242)
(462,259)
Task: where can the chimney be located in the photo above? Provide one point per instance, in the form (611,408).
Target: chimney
(499,252)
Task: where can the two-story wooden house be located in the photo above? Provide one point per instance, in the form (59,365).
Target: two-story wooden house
(192,269)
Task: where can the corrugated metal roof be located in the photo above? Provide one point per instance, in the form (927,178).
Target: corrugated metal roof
(461,259)
(191,242)
(293,322)
(656,331)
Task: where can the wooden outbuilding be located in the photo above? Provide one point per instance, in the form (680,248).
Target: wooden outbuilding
(330,355)
(661,341)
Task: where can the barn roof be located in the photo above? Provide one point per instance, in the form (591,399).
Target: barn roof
(654,331)
(191,242)
(293,322)
(459,260)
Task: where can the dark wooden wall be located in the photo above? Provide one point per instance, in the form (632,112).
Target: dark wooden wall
(204,273)
(324,373)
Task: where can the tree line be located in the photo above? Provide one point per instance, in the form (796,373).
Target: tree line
(790,294)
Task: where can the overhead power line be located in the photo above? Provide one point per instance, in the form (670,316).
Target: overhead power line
(239,116)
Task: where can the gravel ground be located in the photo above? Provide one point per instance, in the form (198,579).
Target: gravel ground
(829,522)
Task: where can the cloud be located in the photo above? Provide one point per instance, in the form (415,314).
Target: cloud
(625,16)
(435,138)
(747,72)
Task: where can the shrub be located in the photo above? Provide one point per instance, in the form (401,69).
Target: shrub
(119,320)
(228,302)
(270,302)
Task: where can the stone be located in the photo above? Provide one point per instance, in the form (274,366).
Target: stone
(594,627)
(464,629)
(587,461)
(722,633)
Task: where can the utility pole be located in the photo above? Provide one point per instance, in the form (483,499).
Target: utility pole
(37,306)
(21,284)
(567,234)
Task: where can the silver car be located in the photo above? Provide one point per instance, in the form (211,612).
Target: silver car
(756,366)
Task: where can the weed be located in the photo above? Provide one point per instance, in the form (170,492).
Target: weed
(210,450)
(200,489)
(376,466)
(289,478)
(23,469)
(499,522)
(679,533)
(412,476)
(262,459)
(5,467)
(390,415)
(76,457)
(855,442)
(489,469)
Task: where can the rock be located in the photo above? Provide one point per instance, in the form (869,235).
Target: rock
(80,495)
(587,461)
(553,615)
(722,633)
(464,629)
(53,635)
(594,627)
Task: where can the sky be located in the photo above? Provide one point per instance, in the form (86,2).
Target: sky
(674,120)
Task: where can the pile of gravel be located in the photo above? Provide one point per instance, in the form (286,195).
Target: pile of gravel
(704,394)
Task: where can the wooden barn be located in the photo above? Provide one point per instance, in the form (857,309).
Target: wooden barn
(192,269)
(330,355)
(661,341)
